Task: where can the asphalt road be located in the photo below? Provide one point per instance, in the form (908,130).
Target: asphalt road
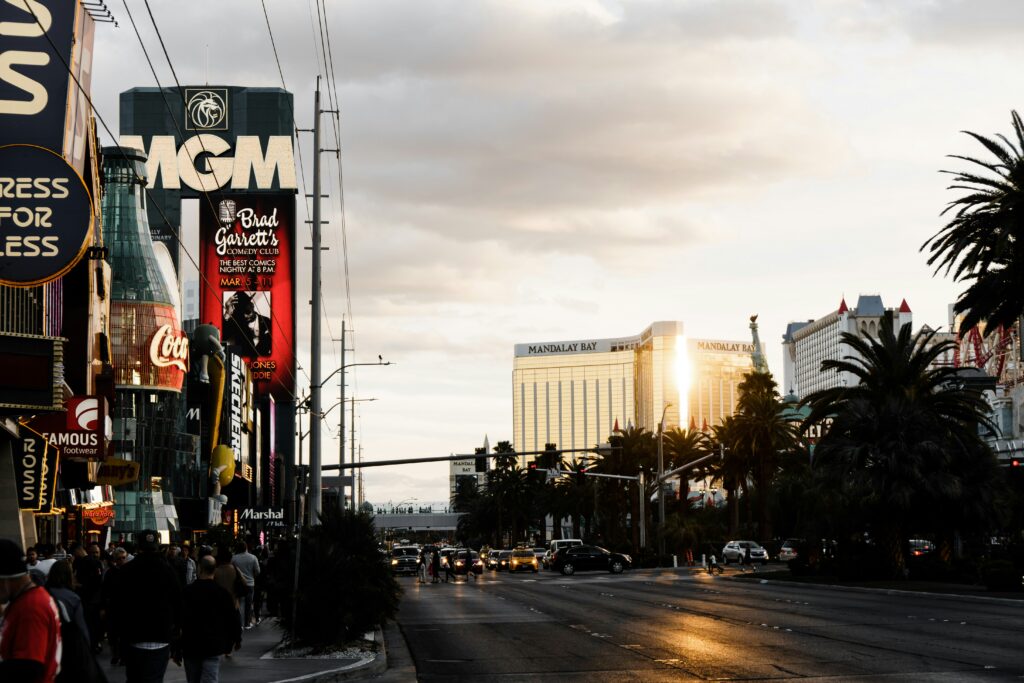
(659,625)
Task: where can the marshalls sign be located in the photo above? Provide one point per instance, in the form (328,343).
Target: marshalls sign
(46,217)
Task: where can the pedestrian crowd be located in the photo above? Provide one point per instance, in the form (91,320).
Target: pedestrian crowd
(149,603)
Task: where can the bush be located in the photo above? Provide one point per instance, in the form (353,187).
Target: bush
(1001,575)
(346,588)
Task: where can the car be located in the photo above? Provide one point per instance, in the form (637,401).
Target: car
(405,559)
(503,559)
(492,560)
(790,549)
(735,551)
(920,546)
(539,554)
(555,546)
(466,562)
(579,558)
(523,558)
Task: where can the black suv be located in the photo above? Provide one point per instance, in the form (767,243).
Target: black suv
(405,559)
(580,558)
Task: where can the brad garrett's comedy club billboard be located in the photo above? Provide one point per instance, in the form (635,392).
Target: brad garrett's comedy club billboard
(247,262)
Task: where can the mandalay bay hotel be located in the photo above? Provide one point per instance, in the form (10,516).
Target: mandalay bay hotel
(575,393)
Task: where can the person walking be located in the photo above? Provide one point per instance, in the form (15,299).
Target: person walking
(89,578)
(435,566)
(60,584)
(210,627)
(249,567)
(30,626)
(229,578)
(148,607)
(421,568)
(108,590)
(189,563)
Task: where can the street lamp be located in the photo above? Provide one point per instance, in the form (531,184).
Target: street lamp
(661,484)
(315,461)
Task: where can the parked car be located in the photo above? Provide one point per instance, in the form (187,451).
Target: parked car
(405,559)
(523,558)
(579,558)
(790,549)
(467,561)
(555,546)
(734,551)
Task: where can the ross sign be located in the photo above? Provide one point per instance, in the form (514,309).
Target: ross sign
(35,471)
(80,431)
(46,216)
(169,348)
(247,263)
(117,472)
(208,162)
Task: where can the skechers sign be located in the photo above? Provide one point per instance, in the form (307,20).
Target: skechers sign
(46,216)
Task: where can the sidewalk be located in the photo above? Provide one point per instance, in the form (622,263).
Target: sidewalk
(247,666)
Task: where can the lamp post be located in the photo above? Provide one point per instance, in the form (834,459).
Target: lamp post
(661,484)
(315,493)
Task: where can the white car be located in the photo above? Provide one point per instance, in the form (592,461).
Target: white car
(554,546)
(734,551)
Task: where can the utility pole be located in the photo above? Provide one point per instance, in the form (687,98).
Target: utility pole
(341,411)
(352,446)
(314,364)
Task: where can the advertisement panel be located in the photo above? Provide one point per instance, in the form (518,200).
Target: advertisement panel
(46,216)
(81,431)
(247,288)
(34,82)
(150,351)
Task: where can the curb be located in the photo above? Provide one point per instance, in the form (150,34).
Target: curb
(368,667)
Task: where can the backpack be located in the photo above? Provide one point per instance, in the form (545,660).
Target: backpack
(77,662)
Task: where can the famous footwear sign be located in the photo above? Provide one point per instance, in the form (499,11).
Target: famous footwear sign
(82,431)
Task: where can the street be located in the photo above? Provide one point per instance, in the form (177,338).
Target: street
(659,625)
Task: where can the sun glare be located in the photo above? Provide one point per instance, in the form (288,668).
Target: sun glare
(683,372)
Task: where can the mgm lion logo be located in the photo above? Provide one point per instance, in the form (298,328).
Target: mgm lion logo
(207,109)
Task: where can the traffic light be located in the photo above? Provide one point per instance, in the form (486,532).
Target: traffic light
(581,477)
(1015,463)
(481,462)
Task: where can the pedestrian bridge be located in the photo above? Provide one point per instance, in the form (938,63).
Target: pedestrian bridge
(418,521)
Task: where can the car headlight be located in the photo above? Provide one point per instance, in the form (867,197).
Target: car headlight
(459,563)
(394,561)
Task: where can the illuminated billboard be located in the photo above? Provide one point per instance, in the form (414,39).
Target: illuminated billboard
(247,282)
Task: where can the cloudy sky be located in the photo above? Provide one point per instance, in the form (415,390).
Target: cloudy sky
(536,170)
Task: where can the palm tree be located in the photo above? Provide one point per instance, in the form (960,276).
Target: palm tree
(762,430)
(904,441)
(683,446)
(733,469)
(983,243)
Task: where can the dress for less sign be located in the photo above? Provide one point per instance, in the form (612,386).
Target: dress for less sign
(46,216)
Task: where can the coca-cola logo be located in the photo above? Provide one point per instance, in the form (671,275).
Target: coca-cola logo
(169,348)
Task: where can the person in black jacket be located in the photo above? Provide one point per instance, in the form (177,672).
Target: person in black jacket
(211,626)
(148,606)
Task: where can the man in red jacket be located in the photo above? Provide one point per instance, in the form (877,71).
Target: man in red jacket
(30,625)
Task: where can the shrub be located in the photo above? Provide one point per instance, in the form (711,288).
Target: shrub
(345,586)
(1001,575)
